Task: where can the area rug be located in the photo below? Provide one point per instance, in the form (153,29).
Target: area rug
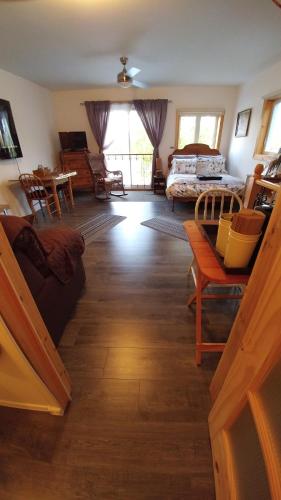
(98,223)
(167,226)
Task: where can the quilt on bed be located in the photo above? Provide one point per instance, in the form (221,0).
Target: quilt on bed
(188,185)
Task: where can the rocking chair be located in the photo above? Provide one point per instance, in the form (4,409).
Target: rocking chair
(105,181)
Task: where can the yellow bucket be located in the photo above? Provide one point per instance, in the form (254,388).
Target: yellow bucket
(239,248)
(223,230)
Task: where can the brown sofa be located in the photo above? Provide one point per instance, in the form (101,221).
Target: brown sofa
(51,262)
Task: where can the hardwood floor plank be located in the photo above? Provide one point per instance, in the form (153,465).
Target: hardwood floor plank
(136,428)
(133,333)
(180,447)
(151,363)
(29,480)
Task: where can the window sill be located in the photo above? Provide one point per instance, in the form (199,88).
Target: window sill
(265,157)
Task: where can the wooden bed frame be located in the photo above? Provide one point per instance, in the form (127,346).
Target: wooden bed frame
(191,149)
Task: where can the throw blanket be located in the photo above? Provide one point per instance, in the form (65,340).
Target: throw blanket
(53,251)
(63,247)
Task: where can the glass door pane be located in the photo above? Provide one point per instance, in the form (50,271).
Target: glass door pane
(127,146)
(270,398)
(140,152)
(117,141)
(248,462)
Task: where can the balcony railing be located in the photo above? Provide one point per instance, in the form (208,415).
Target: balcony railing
(136,168)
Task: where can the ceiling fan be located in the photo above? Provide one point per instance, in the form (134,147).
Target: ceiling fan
(126,77)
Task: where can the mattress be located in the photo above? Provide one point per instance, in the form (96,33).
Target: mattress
(188,185)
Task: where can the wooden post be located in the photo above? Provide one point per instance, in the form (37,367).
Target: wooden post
(252,189)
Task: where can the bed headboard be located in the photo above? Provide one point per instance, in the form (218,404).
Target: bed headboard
(193,149)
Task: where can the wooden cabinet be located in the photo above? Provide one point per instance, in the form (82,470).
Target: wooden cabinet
(77,161)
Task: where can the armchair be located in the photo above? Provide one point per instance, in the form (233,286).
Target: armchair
(105,181)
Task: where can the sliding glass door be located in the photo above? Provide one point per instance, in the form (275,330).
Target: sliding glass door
(127,147)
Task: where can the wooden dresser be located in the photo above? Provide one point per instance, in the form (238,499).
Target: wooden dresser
(77,161)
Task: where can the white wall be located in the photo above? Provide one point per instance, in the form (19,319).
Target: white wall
(251,95)
(32,108)
(71,116)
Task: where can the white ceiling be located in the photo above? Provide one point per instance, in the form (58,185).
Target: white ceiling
(77,43)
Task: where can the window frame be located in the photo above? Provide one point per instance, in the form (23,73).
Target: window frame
(201,113)
(267,112)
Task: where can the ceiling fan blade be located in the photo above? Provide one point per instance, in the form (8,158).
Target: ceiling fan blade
(133,72)
(141,85)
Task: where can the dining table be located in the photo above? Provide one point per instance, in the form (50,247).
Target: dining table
(53,180)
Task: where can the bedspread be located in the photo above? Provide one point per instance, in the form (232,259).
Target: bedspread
(188,185)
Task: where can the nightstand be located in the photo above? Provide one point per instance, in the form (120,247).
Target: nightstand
(159,183)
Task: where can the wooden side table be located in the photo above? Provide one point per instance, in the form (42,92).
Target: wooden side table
(208,270)
(159,183)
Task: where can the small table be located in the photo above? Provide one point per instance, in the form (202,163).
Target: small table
(52,181)
(159,183)
(208,270)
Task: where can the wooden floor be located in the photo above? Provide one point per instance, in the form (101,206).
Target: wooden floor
(137,425)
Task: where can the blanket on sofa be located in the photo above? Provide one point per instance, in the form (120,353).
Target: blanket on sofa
(51,250)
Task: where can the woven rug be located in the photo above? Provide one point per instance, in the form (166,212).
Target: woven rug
(98,223)
(167,226)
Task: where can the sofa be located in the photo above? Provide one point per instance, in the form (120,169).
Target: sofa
(51,262)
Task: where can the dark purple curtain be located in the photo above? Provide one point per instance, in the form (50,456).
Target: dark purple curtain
(98,113)
(152,113)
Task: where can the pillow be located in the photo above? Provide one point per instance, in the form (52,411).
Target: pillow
(184,165)
(210,165)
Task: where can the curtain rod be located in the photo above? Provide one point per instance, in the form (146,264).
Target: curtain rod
(116,102)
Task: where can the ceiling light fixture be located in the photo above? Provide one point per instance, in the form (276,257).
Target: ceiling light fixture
(123,79)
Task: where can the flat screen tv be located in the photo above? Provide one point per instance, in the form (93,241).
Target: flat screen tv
(9,142)
(73,141)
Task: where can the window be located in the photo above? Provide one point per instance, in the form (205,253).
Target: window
(127,146)
(199,127)
(273,138)
(269,138)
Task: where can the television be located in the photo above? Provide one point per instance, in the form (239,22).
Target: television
(9,142)
(73,141)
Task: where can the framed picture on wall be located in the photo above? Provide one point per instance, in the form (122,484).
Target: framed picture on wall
(243,122)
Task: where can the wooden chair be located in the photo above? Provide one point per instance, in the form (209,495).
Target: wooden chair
(105,181)
(211,197)
(36,194)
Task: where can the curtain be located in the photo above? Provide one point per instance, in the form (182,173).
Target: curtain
(152,113)
(98,113)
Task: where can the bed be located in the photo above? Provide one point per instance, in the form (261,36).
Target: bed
(198,159)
